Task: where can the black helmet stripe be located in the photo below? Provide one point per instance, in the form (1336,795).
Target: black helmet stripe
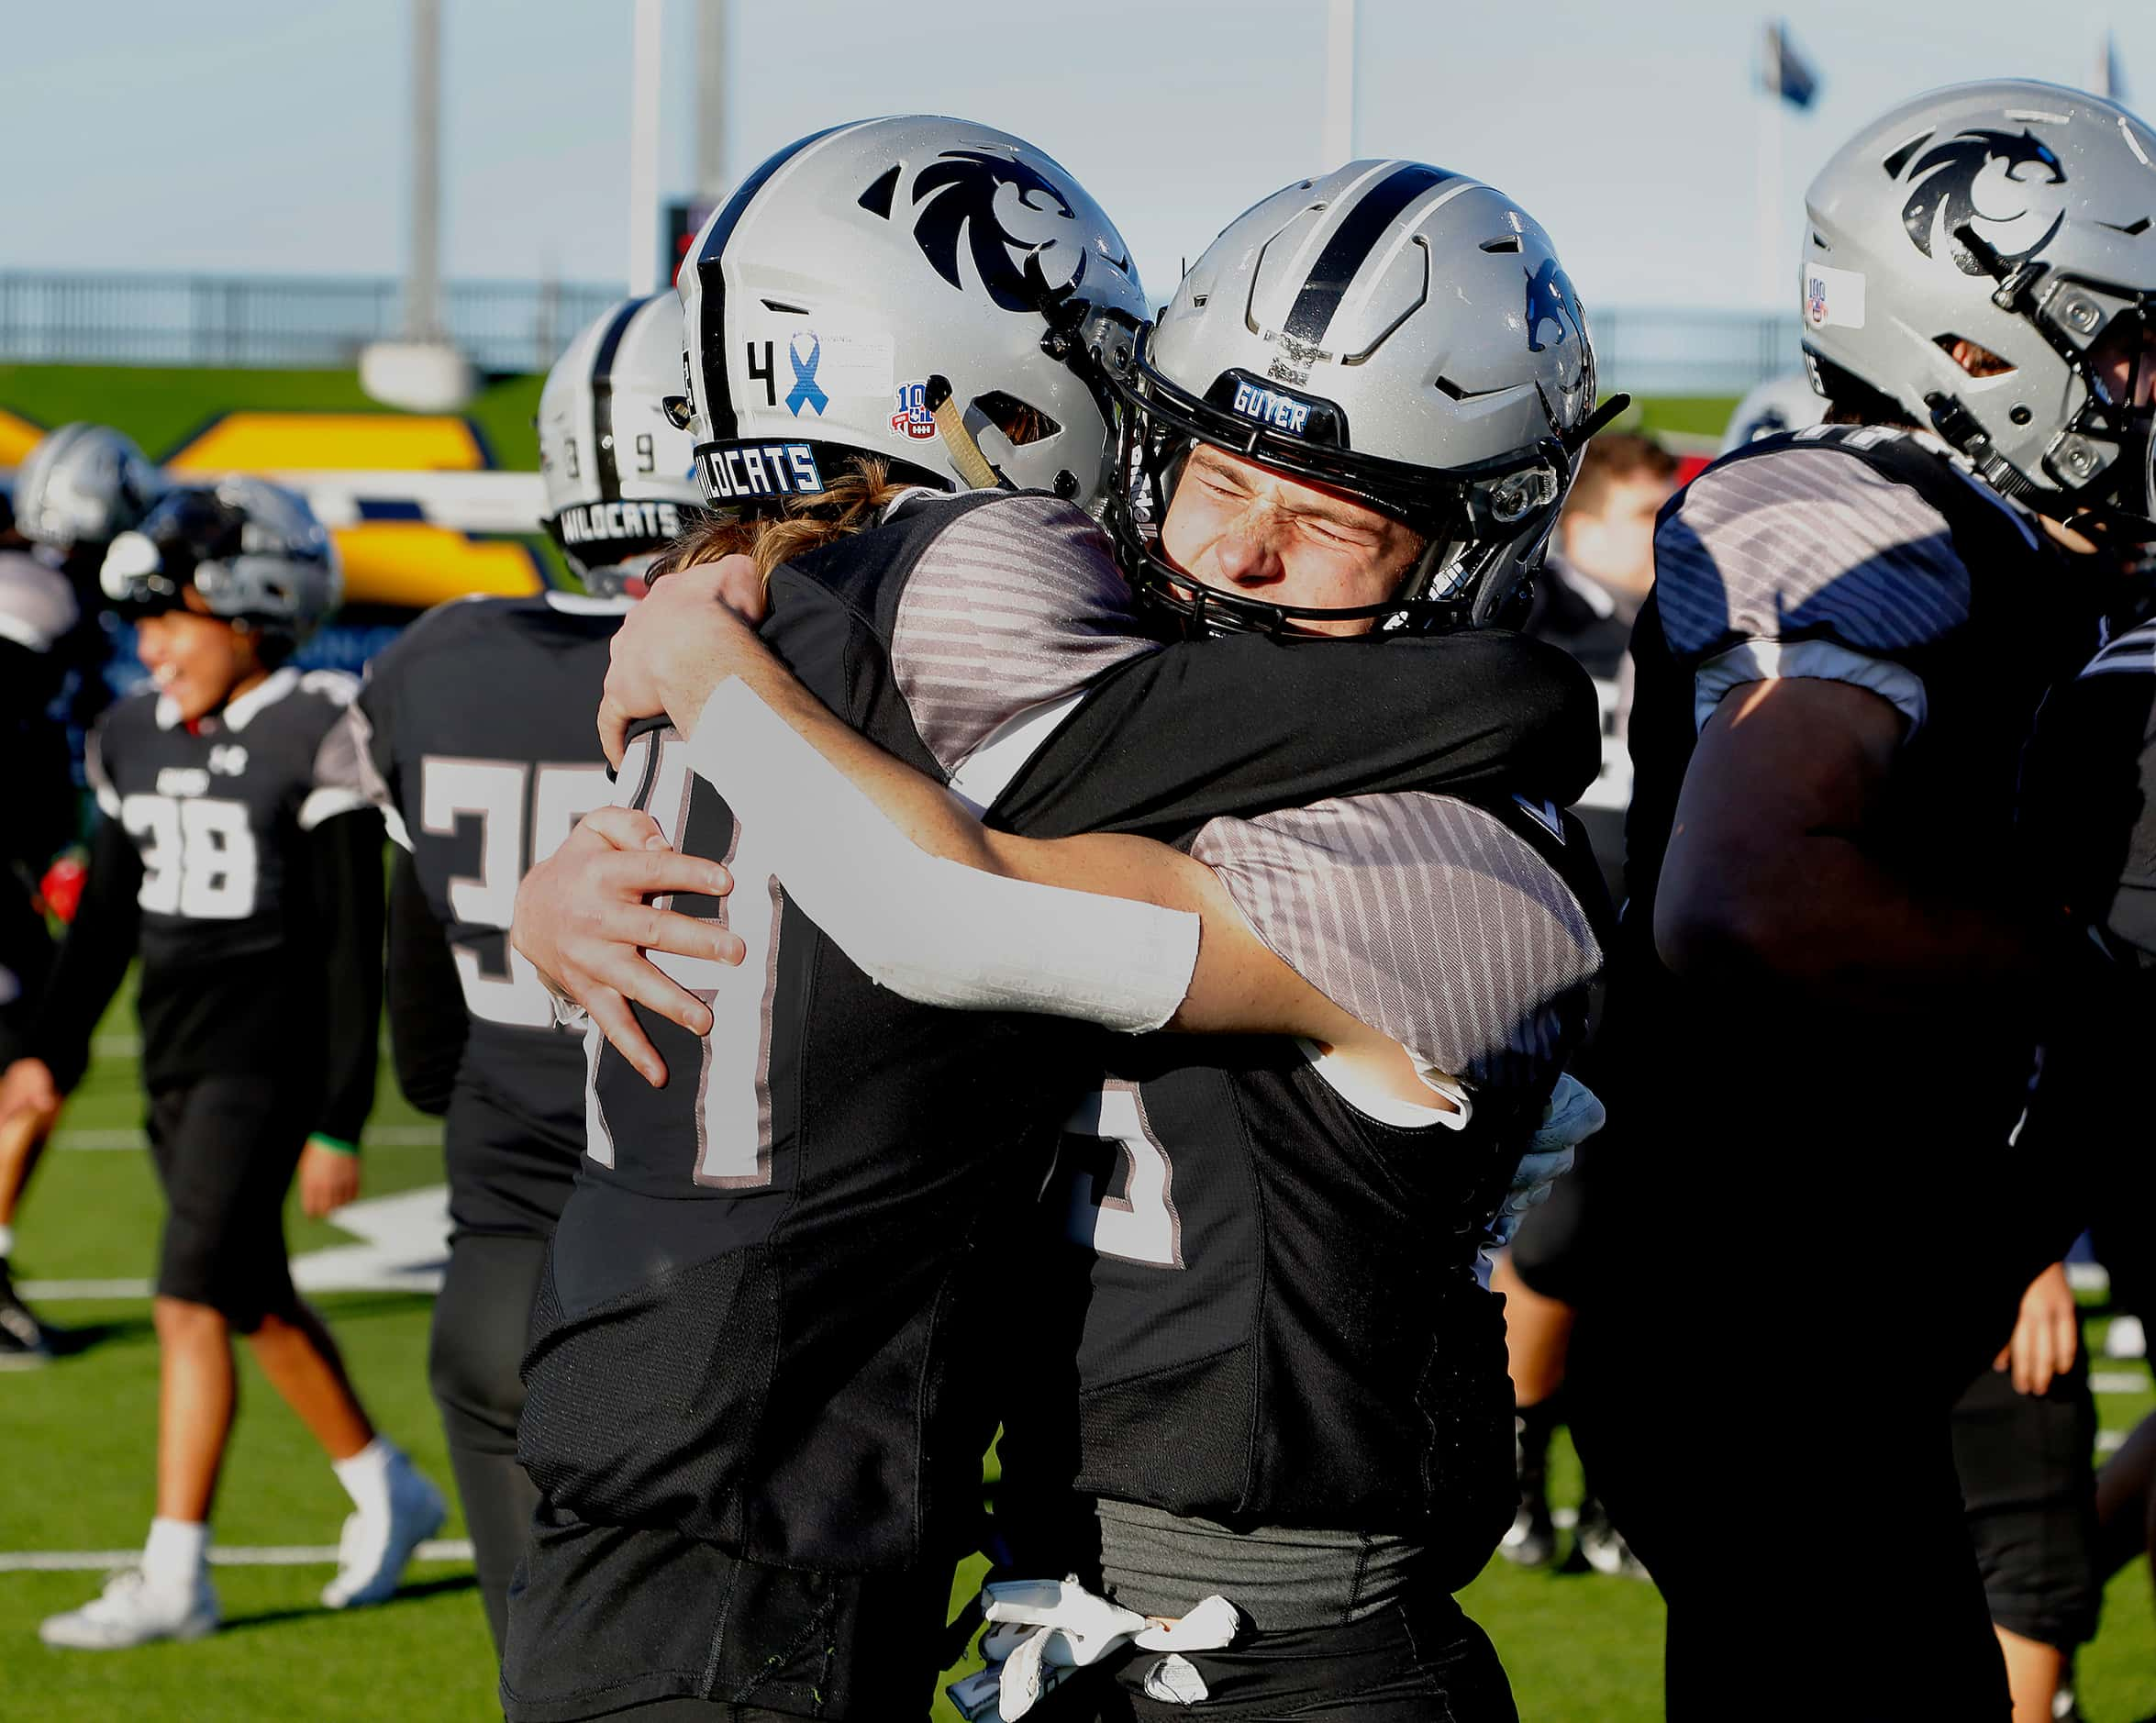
(1350,246)
(719,412)
(607,463)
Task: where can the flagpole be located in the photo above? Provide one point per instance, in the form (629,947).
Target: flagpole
(643,147)
(1338,145)
(1767,240)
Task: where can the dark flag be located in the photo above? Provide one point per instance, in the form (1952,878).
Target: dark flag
(1784,72)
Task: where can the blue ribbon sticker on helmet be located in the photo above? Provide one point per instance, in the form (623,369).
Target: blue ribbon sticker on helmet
(804,392)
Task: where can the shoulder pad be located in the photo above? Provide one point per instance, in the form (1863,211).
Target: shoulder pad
(1803,537)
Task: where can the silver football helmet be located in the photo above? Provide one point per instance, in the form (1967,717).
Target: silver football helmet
(83,486)
(860,266)
(2016,216)
(1391,330)
(253,551)
(1786,403)
(620,473)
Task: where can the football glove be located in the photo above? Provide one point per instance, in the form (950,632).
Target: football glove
(1042,1630)
(1573,1114)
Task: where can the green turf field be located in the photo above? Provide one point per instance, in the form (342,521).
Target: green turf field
(77,1478)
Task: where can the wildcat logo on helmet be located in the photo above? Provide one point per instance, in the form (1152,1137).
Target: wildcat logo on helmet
(738,471)
(1945,196)
(912,417)
(587,523)
(1270,406)
(956,195)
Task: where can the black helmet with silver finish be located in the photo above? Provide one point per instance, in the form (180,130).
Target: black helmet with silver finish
(252,551)
(81,487)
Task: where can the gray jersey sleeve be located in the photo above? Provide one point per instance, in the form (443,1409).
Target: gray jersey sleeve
(1806,562)
(337,783)
(1422,916)
(1015,605)
(95,773)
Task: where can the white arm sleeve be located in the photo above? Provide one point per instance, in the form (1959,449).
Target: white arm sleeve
(937,932)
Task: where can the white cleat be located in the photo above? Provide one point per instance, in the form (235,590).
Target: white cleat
(132,1611)
(374,1548)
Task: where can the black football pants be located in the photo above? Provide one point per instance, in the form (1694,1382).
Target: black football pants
(1418,1660)
(477,1343)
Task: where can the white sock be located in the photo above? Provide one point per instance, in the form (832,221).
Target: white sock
(365,1476)
(7,1242)
(175,1553)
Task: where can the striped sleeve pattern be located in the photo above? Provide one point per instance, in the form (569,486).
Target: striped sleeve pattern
(1805,542)
(1014,605)
(2132,653)
(1422,916)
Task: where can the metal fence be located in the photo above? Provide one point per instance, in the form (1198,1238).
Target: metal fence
(523,326)
(292,322)
(1663,352)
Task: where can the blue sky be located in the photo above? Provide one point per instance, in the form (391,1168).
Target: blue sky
(229,135)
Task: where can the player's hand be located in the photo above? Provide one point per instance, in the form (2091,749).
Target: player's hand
(329,1178)
(27,1086)
(1573,1114)
(2046,1334)
(582,919)
(675,647)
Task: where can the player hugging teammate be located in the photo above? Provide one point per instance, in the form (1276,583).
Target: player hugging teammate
(229,858)
(755,1411)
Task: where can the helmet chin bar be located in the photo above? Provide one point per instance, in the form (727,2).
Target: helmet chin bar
(2085,484)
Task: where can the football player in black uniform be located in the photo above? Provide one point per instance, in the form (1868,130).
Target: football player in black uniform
(82,487)
(1829,956)
(229,857)
(474,733)
(1598,571)
(2089,805)
(1261,545)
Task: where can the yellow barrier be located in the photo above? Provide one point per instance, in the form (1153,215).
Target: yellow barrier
(387,442)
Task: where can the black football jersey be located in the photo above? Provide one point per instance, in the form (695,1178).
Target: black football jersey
(1870,557)
(1571,613)
(2088,817)
(1271,1275)
(478,733)
(231,938)
(767,1288)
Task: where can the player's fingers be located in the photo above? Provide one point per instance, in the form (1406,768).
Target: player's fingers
(2065,1338)
(741,588)
(618,1024)
(636,979)
(624,828)
(685,935)
(614,722)
(652,873)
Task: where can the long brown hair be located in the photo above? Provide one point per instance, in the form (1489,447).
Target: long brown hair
(847,505)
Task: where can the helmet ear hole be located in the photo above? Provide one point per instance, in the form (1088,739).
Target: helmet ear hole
(1019,422)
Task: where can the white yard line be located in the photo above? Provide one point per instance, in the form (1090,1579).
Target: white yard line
(269,1555)
(2119,1382)
(2109,1441)
(381,1137)
(48,1291)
